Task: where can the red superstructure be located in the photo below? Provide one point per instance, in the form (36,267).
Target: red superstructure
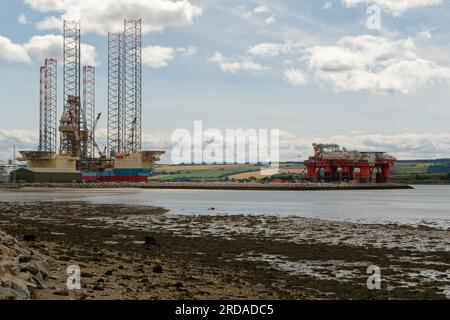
(331,164)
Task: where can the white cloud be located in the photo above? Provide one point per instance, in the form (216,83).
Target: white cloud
(156,56)
(374,64)
(13,52)
(246,15)
(159,57)
(51,46)
(403,146)
(273,49)
(88,55)
(296,77)
(270,20)
(106,16)
(19,138)
(46,5)
(327,5)
(243,12)
(41,47)
(186,52)
(23,19)
(395,7)
(260,14)
(424,35)
(50,23)
(261,9)
(48,46)
(234,65)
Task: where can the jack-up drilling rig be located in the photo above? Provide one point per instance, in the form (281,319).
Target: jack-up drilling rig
(125,161)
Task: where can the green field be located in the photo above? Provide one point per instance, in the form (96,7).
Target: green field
(427,178)
(422,171)
(200,172)
(409,168)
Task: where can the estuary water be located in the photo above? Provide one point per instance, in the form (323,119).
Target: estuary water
(425,205)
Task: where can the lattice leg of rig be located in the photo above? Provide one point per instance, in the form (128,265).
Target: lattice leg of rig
(48,106)
(133,85)
(115,93)
(89,108)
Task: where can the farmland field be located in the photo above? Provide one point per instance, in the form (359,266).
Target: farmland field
(201,172)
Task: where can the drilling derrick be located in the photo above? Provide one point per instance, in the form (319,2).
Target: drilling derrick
(132,43)
(89,108)
(73,122)
(71,137)
(48,106)
(115,93)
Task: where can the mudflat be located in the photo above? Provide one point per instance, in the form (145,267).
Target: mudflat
(131,252)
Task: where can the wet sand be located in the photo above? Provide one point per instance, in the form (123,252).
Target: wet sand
(127,252)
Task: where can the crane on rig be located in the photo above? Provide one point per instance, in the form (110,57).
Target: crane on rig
(102,154)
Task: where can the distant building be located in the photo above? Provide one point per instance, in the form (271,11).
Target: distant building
(6,167)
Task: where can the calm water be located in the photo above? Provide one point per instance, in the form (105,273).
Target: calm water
(428,205)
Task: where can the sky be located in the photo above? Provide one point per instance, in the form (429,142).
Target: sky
(319,71)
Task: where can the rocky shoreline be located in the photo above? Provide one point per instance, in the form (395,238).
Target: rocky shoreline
(22,268)
(130,252)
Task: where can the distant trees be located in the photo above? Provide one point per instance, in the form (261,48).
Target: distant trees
(288,177)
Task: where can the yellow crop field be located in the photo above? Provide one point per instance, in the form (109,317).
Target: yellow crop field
(257,174)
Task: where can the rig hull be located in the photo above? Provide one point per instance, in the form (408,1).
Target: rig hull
(133,175)
(133,167)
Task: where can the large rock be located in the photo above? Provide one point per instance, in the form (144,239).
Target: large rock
(14,285)
(7,294)
(9,265)
(6,251)
(22,269)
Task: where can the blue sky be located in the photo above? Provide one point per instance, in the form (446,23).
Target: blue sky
(312,69)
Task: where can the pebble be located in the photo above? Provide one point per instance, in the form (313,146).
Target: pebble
(87,275)
(29,238)
(157,269)
(61,292)
(150,240)
(98,288)
(140,268)
(24,258)
(109,273)
(178,285)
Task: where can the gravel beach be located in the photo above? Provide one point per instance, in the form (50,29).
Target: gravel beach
(129,252)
